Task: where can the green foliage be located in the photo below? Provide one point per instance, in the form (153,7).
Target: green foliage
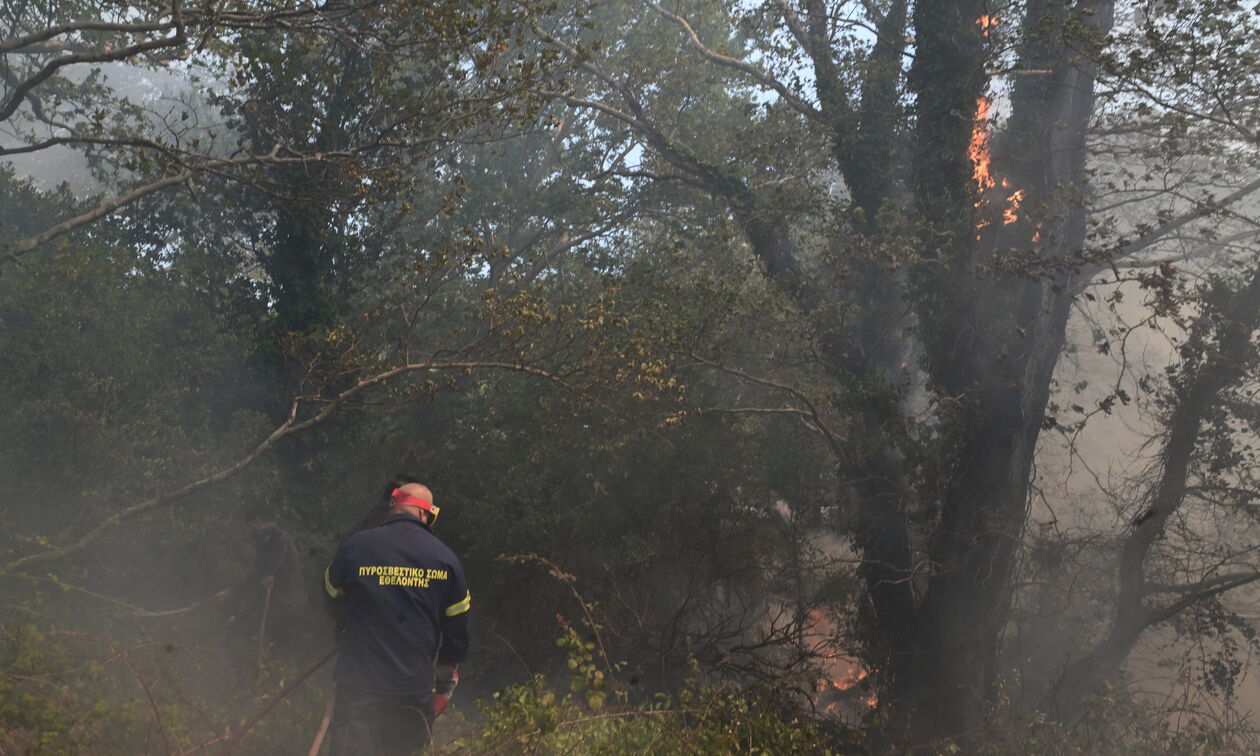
(534,718)
(129,379)
(613,382)
(71,692)
(1120,723)
(54,701)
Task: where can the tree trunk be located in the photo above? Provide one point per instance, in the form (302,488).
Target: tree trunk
(992,335)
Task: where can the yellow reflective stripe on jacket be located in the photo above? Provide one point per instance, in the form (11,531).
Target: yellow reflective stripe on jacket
(460,607)
(333,590)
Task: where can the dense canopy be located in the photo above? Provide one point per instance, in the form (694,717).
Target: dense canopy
(810,376)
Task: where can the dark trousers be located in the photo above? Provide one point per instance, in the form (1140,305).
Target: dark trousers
(372,724)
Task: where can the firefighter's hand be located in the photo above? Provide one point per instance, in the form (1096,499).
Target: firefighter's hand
(445,678)
(268,581)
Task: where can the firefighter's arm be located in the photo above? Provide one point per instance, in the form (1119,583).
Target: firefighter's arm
(454,648)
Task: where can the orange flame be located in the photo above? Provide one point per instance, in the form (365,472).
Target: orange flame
(1009,215)
(978,151)
(978,148)
(854,676)
(841,673)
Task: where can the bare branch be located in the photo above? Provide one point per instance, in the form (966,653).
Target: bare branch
(1214,588)
(793,22)
(79,140)
(1205,246)
(148,692)
(758,75)
(15,250)
(22,43)
(607,110)
(291,685)
(98,56)
(833,439)
(216,166)
(831,96)
(1163,230)
(872,10)
(290,426)
(1205,585)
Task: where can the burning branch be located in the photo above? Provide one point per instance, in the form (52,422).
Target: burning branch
(1009,214)
(842,674)
(978,151)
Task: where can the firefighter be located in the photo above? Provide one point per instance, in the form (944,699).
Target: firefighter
(272,598)
(405,606)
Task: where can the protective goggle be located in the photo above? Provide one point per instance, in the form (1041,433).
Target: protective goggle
(403,499)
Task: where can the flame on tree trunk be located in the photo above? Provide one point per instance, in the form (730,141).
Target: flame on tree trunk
(991,335)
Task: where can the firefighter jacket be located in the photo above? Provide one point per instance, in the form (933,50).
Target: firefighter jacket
(407,605)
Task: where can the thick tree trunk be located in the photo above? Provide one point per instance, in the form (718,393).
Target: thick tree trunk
(954,637)
(992,335)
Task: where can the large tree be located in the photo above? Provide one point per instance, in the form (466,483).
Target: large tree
(875,218)
(162,95)
(932,248)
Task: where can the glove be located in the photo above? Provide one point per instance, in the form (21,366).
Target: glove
(445,678)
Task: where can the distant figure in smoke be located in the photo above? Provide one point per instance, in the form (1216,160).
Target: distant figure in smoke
(405,603)
(274,589)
